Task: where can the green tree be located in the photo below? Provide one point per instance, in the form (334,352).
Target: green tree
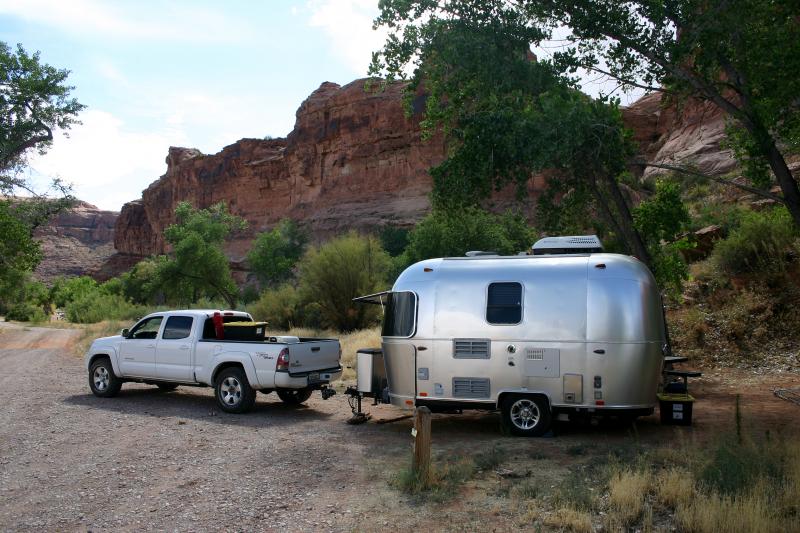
(739,55)
(197,265)
(507,117)
(275,253)
(452,233)
(66,290)
(340,270)
(19,252)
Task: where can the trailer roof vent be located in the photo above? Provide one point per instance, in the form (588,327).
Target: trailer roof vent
(579,244)
(479,253)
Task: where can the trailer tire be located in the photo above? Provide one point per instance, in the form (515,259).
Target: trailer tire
(102,380)
(233,392)
(526,415)
(294,396)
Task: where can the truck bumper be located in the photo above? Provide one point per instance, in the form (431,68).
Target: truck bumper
(284,380)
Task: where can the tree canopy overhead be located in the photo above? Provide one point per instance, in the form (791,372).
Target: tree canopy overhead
(35,100)
(740,55)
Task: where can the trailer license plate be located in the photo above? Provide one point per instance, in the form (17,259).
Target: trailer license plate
(312,378)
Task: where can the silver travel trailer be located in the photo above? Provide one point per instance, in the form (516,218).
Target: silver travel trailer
(535,336)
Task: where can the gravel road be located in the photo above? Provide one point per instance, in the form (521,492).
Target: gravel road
(170,461)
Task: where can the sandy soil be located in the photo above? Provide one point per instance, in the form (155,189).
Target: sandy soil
(152,460)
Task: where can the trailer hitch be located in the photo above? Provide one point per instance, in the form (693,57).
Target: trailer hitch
(354,399)
(327,392)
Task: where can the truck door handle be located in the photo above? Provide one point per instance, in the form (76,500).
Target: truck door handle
(600,351)
(184,346)
(150,346)
(422,348)
(315,349)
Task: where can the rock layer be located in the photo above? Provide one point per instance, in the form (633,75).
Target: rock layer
(76,242)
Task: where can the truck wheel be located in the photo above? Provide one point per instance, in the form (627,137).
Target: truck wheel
(233,391)
(294,396)
(526,416)
(166,387)
(102,380)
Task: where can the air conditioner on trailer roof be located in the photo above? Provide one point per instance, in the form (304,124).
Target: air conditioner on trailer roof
(576,244)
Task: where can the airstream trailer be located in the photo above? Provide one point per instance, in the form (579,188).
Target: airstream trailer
(535,336)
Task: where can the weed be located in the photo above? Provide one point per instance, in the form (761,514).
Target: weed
(577,449)
(574,493)
(490,459)
(570,520)
(674,487)
(627,492)
(445,481)
(712,513)
(527,490)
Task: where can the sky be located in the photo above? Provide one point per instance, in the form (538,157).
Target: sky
(193,73)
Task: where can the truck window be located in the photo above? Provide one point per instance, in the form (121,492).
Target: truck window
(146,329)
(504,303)
(400,315)
(178,327)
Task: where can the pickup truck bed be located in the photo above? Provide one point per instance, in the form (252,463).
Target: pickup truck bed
(171,348)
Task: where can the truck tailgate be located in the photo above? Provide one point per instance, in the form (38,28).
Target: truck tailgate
(311,356)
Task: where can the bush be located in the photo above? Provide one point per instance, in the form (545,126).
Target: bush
(761,243)
(96,307)
(26,312)
(275,253)
(338,271)
(280,307)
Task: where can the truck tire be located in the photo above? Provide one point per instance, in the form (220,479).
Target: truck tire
(525,415)
(233,391)
(102,380)
(294,396)
(166,387)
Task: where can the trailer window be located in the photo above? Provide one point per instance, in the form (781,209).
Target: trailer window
(504,303)
(400,314)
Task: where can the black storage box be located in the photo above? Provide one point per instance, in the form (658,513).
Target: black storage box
(245,331)
(675,409)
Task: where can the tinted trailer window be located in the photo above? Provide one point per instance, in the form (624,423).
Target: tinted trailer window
(504,303)
(400,314)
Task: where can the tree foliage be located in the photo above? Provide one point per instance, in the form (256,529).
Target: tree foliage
(452,233)
(197,265)
(34,101)
(275,253)
(507,117)
(338,271)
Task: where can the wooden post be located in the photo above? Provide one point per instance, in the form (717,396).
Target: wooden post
(422,446)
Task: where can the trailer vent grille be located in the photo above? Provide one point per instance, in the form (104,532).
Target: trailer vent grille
(471,388)
(535,354)
(471,349)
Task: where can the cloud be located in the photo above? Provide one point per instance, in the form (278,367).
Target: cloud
(348,24)
(89,17)
(105,160)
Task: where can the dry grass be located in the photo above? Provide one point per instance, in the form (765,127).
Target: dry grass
(674,487)
(711,513)
(570,520)
(627,493)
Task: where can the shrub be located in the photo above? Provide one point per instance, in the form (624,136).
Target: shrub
(280,307)
(275,253)
(26,312)
(96,306)
(760,244)
(338,271)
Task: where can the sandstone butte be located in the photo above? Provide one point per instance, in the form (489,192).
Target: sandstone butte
(354,160)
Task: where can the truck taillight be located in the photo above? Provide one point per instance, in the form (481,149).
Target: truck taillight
(283,361)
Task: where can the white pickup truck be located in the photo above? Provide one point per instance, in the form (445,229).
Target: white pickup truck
(174,348)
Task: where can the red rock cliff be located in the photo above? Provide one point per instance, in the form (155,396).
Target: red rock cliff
(353,161)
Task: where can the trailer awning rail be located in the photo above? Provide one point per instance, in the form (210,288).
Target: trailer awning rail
(379,298)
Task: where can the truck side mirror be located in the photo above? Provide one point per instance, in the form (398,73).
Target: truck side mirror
(125,332)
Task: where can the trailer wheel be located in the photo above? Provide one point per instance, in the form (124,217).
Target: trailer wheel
(294,396)
(102,380)
(526,416)
(233,391)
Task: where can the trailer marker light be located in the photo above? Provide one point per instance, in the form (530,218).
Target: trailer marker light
(423,393)
(427,269)
(409,402)
(600,402)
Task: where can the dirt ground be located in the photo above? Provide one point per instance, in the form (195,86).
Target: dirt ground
(150,460)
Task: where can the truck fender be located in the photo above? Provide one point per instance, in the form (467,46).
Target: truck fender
(525,392)
(106,351)
(242,358)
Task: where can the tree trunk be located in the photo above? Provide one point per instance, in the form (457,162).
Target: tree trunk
(625,221)
(791,193)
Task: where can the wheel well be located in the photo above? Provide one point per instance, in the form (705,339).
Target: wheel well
(222,367)
(503,395)
(97,357)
